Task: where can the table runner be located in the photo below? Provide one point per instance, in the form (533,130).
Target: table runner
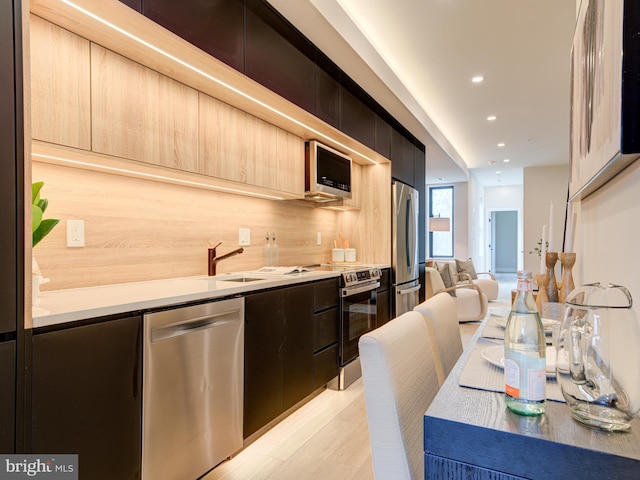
(479,374)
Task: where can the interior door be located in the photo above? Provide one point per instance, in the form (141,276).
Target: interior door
(504,241)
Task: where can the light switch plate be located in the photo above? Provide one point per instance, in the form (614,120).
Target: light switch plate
(244,237)
(318,238)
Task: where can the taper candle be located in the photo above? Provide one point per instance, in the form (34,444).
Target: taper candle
(543,251)
(551,249)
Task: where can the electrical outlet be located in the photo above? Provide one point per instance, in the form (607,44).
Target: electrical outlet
(75,233)
(244,237)
(319,238)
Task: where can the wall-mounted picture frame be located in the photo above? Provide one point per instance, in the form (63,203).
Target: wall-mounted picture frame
(605,93)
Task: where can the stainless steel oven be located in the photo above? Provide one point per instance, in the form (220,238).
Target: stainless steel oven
(358,315)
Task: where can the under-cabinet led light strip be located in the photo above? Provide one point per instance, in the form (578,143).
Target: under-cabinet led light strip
(155,176)
(210,77)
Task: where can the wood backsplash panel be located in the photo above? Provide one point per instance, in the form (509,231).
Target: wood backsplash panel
(139,230)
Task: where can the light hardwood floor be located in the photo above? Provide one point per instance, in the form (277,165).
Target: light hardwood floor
(325,439)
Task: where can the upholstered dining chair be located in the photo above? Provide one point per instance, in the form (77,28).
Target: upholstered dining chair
(439,313)
(400,381)
(471,302)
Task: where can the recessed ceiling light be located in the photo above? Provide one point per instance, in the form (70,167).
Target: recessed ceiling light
(440,179)
(477,79)
(491,118)
(498,172)
(501,144)
(506,160)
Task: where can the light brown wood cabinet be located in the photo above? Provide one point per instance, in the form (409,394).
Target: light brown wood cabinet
(60,86)
(88,97)
(140,114)
(240,147)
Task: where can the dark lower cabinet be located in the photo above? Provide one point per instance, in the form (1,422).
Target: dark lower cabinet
(281,361)
(298,344)
(87,396)
(7,395)
(383,299)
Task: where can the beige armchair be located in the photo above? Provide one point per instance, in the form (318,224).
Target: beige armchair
(471,302)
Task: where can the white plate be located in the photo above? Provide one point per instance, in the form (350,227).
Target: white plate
(547,323)
(495,356)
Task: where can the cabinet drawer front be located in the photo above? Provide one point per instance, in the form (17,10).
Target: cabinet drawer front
(325,366)
(325,329)
(325,294)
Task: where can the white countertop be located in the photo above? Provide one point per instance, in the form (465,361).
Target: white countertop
(62,306)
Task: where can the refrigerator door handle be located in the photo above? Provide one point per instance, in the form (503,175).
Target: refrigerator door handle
(405,291)
(407,226)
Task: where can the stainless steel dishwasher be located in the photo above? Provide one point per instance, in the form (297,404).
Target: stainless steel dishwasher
(192,389)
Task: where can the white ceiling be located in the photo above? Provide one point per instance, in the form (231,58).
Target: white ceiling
(417,58)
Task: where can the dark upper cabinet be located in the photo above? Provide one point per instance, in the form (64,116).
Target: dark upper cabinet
(420,184)
(135,4)
(7,396)
(402,158)
(356,119)
(87,396)
(383,137)
(215,27)
(277,56)
(327,96)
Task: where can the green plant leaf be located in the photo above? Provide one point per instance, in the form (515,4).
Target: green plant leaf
(35,192)
(44,228)
(36,217)
(43,204)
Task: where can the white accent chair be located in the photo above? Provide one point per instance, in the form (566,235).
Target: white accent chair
(489,285)
(471,302)
(400,381)
(439,313)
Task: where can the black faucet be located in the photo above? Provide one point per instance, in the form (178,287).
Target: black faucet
(213,260)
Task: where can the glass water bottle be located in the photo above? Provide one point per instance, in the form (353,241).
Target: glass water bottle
(267,256)
(524,353)
(274,251)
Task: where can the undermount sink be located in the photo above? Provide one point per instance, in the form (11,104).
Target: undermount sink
(235,278)
(239,279)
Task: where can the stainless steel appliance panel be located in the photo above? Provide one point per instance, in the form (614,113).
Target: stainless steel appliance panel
(192,389)
(405,233)
(406,296)
(404,260)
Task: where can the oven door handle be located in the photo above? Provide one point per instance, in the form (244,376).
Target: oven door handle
(347,292)
(408,290)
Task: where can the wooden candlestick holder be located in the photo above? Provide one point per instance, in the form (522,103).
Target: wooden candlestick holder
(567,260)
(552,286)
(542,281)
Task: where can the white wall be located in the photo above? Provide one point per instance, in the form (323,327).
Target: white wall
(607,232)
(505,198)
(461,220)
(543,185)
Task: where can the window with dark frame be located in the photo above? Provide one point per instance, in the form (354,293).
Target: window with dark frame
(440,208)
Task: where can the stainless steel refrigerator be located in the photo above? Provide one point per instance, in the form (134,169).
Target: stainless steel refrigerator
(404,260)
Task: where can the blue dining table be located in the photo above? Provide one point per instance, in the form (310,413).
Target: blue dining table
(470,434)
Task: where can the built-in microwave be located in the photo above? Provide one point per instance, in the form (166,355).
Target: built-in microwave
(327,172)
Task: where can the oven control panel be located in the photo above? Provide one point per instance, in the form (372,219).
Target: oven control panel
(359,277)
